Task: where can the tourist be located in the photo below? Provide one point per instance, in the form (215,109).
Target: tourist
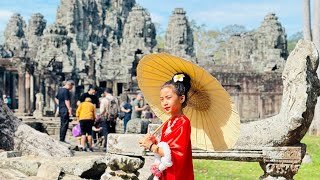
(127,109)
(5,99)
(91,93)
(9,102)
(109,109)
(97,133)
(65,111)
(136,107)
(86,114)
(175,143)
(147,113)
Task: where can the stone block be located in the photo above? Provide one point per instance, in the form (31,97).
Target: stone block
(125,144)
(10,154)
(153,127)
(137,126)
(125,163)
(26,165)
(49,171)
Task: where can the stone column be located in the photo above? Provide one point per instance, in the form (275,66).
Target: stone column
(32,95)
(260,106)
(4,82)
(281,162)
(14,90)
(27,92)
(47,95)
(22,93)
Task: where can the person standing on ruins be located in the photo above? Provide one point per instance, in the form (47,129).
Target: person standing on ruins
(109,109)
(136,107)
(90,94)
(65,111)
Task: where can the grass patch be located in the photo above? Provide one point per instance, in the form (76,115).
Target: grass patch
(212,169)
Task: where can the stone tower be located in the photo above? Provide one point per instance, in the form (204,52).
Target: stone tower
(261,50)
(179,38)
(34,32)
(14,36)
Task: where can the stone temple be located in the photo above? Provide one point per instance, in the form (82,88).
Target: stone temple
(101,42)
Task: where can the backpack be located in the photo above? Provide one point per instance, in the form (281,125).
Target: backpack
(112,109)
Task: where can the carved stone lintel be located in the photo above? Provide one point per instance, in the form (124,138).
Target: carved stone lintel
(282,162)
(278,170)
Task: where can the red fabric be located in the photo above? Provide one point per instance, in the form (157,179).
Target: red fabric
(181,154)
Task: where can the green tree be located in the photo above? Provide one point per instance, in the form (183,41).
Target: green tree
(293,40)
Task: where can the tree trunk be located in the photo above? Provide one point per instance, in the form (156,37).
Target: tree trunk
(306,20)
(316,40)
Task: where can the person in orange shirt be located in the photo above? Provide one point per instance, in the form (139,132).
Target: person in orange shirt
(86,114)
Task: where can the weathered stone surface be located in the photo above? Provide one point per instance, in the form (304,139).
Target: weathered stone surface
(119,143)
(137,126)
(49,171)
(10,154)
(71,177)
(117,175)
(125,163)
(144,172)
(34,31)
(15,135)
(301,89)
(179,37)
(11,174)
(90,167)
(15,36)
(8,125)
(26,165)
(281,162)
(32,142)
(258,51)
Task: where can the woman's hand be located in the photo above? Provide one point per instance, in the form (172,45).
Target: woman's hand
(146,142)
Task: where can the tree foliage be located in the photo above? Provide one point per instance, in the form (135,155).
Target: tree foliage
(293,40)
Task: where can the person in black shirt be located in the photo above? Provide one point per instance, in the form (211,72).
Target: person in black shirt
(91,94)
(63,100)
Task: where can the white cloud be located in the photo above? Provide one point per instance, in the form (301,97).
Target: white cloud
(156,18)
(248,14)
(5,14)
(4,18)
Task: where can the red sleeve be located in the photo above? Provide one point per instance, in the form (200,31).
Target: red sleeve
(180,146)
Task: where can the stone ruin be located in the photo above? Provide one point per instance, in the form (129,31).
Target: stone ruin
(261,50)
(92,42)
(101,42)
(273,142)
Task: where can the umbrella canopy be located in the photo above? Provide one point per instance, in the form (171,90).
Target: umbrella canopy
(215,123)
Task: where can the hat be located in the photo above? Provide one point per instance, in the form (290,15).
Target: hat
(140,94)
(108,90)
(215,122)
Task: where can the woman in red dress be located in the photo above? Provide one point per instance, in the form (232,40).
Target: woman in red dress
(173,155)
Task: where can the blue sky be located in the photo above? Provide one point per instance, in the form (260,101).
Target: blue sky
(215,14)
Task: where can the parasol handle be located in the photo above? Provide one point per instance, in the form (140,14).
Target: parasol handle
(155,131)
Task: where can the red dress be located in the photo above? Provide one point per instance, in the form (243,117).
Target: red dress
(180,145)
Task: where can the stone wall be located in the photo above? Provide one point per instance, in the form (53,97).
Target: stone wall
(264,49)
(257,95)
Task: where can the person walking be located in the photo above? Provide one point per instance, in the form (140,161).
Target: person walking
(86,114)
(127,109)
(109,109)
(65,111)
(91,93)
(136,107)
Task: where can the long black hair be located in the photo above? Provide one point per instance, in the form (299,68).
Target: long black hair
(180,85)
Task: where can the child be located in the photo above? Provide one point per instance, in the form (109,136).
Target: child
(173,154)
(86,114)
